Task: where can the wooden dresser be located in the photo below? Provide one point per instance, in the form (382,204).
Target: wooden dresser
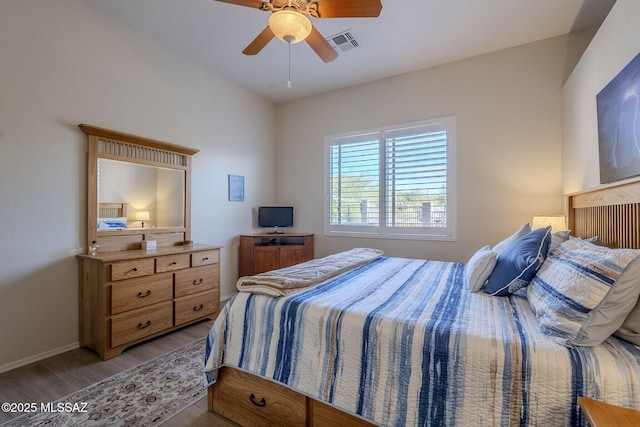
(130,296)
(147,277)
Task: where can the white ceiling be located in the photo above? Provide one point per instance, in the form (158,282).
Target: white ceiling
(409,35)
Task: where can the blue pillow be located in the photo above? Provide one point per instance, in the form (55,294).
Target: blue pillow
(518,264)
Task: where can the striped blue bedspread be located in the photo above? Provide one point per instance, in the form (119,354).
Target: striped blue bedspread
(402,342)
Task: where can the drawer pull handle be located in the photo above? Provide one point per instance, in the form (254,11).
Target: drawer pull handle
(198,307)
(173,263)
(262,402)
(146,325)
(198,282)
(146,294)
(135,268)
(205,258)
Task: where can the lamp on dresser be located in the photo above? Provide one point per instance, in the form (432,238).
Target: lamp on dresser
(142,216)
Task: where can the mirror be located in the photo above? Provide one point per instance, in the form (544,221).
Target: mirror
(145,180)
(157,190)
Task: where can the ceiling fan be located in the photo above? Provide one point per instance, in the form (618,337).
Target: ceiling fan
(289,21)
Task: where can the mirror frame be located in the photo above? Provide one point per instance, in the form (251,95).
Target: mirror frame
(113,145)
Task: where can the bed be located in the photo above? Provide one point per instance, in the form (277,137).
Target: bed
(112,216)
(404,342)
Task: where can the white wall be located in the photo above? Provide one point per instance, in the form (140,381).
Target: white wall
(508,109)
(615,44)
(64,63)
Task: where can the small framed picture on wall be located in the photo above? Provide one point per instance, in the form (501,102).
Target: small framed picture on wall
(236,188)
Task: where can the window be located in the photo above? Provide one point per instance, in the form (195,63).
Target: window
(394,182)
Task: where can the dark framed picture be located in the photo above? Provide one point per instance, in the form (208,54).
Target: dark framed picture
(618,106)
(236,188)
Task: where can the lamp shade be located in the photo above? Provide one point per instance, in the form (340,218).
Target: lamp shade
(142,216)
(557,222)
(290,26)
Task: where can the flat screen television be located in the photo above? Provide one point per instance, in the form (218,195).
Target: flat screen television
(275,217)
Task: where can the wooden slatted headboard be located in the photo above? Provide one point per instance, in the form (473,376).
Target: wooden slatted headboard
(112,210)
(611,212)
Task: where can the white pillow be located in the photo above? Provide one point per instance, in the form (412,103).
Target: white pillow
(500,247)
(583,292)
(479,267)
(630,329)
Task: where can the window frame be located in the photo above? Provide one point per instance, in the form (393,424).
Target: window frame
(383,231)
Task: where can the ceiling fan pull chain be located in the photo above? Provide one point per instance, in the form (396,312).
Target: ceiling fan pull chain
(289,83)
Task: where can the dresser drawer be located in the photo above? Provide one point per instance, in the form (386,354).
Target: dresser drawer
(139,292)
(121,270)
(205,258)
(196,306)
(251,400)
(137,324)
(196,279)
(172,262)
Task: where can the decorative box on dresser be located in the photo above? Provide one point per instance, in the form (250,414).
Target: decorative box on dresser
(141,282)
(131,296)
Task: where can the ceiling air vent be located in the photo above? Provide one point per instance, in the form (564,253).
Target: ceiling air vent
(344,41)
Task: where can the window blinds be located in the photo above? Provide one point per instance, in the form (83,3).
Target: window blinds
(391,181)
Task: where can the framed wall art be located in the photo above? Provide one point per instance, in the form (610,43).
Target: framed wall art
(618,106)
(236,188)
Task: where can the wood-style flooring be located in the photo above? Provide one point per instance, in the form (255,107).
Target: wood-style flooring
(60,375)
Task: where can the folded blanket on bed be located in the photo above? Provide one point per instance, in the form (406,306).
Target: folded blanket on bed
(296,278)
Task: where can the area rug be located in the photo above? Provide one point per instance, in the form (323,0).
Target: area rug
(145,395)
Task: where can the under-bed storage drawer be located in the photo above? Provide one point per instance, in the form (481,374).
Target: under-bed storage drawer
(325,415)
(249,400)
(136,324)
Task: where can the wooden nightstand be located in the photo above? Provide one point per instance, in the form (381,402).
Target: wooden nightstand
(602,414)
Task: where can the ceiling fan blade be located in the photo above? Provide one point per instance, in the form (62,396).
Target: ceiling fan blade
(349,9)
(321,46)
(257,4)
(259,42)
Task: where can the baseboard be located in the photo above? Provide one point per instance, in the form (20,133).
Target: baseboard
(37,357)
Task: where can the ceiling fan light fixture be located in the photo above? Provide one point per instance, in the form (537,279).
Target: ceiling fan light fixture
(290,26)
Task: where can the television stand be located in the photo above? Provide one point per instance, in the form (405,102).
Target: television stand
(271,251)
